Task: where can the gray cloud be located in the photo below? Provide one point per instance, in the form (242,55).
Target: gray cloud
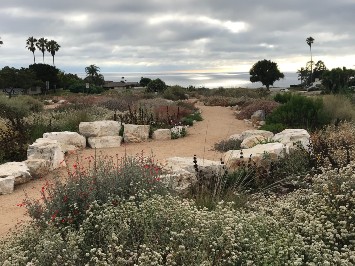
(157,35)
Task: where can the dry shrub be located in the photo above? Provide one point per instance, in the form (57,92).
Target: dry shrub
(338,107)
(266,105)
(223,101)
(334,145)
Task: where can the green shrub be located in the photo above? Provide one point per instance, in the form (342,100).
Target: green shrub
(299,112)
(227,145)
(175,93)
(283,97)
(274,128)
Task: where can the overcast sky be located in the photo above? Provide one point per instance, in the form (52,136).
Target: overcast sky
(179,35)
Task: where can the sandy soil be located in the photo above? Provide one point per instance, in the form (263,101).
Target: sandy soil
(218,124)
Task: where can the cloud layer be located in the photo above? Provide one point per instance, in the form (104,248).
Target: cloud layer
(184,35)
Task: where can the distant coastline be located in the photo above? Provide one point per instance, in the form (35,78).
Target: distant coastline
(208,80)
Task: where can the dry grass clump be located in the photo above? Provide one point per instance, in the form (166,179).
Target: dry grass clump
(334,145)
(267,105)
(339,107)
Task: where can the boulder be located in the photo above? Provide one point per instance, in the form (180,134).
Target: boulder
(11,174)
(251,141)
(235,136)
(99,128)
(136,133)
(248,133)
(68,140)
(105,142)
(7,185)
(162,134)
(18,170)
(235,158)
(290,137)
(38,167)
(182,174)
(48,150)
(257,116)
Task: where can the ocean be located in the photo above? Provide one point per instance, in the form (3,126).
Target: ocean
(207,80)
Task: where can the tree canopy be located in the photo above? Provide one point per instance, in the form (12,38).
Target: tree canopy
(266,72)
(156,85)
(93,76)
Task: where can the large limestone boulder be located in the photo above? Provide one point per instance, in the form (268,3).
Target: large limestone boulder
(251,141)
(162,134)
(99,128)
(136,133)
(235,158)
(105,142)
(252,132)
(182,174)
(48,150)
(11,174)
(68,140)
(290,137)
(38,167)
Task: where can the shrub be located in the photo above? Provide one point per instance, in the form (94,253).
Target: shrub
(299,112)
(334,144)
(274,128)
(175,93)
(283,97)
(106,179)
(227,145)
(266,105)
(338,108)
(219,101)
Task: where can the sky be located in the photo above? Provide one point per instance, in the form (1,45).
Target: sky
(179,35)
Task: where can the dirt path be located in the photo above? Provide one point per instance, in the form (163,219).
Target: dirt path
(218,124)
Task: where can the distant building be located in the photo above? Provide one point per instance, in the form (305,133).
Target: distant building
(120,85)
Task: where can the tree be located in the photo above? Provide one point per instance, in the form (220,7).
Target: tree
(266,72)
(156,85)
(144,81)
(45,72)
(52,47)
(93,75)
(319,69)
(31,45)
(309,41)
(303,75)
(41,45)
(1,42)
(337,79)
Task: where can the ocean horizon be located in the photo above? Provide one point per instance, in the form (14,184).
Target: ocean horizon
(207,80)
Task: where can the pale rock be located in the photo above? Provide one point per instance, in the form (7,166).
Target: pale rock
(99,128)
(252,132)
(62,101)
(68,140)
(105,142)
(49,150)
(18,170)
(251,141)
(257,116)
(162,134)
(7,185)
(290,137)
(257,153)
(261,123)
(235,137)
(136,133)
(182,174)
(38,167)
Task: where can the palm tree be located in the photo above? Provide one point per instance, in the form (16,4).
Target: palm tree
(92,70)
(41,45)
(309,41)
(31,45)
(52,47)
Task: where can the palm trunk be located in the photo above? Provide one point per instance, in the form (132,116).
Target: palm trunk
(311,64)
(53,59)
(34,58)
